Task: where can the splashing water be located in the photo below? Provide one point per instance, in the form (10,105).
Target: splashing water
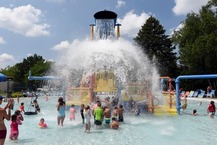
(120,58)
(127,62)
(104,29)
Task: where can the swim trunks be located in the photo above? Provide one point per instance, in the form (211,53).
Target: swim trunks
(115,117)
(97,122)
(107,120)
(121,119)
(37,107)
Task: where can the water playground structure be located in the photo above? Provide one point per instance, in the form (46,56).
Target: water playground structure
(103,83)
(116,72)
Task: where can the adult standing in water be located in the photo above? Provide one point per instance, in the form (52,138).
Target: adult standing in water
(98,113)
(61,111)
(4,115)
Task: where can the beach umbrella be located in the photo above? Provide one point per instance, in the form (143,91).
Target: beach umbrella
(3,78)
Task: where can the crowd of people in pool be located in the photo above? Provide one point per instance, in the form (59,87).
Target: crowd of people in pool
(111,114)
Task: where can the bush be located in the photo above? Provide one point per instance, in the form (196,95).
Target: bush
(15,94)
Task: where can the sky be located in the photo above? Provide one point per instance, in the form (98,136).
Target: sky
(49,27)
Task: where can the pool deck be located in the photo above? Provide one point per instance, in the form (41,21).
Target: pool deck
(202,99)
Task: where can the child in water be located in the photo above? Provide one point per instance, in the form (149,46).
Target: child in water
(72,112)
(18,99)
(82,112)
(12,104)
(211,109)
(22,107)
(42,124)
(47,98)
(115,113)
(61,111)
(37,108)
(107,115)
(184,106)
(115,123)
(87,116)
(14,127)
(194,113)
(19,115)
(199,104)
(121,114)
(137,112)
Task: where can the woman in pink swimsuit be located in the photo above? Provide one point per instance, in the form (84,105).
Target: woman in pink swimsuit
(4,115)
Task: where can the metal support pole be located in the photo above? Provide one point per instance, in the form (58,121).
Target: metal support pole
(170,91)
(178,107)
(119,90)
(118,30)
(92,31)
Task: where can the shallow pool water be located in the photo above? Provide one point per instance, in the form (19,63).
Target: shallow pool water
(143,130)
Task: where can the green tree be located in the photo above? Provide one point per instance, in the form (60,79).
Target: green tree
(41,68)
(197,41)
(20,71)
(157,46)
(23,68)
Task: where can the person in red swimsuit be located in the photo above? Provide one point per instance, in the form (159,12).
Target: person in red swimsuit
(22,107)
(4,115)
(211,109)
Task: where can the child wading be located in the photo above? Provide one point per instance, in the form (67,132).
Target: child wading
(61,111)
(82,112)
(72,112)
(87,116)
(42,123)
(14,127)
(211,109)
